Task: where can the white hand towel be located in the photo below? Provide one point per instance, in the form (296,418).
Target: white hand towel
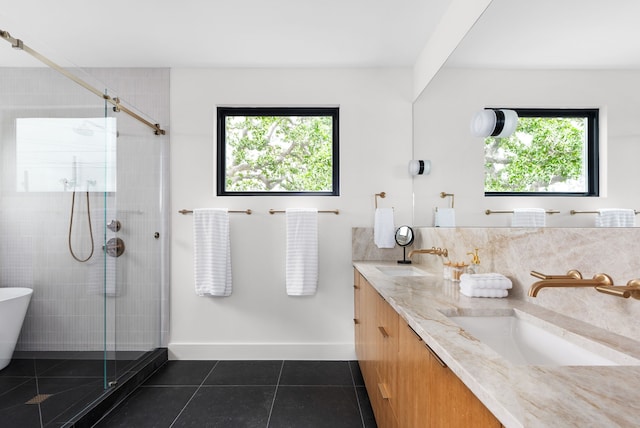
(483,292)
(384,229)
(616,217)
(212,252)
(445,217)
(485,281)
(302,251)
(528,217)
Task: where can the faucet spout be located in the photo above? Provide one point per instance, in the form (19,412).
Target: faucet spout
(599,279)
(433,250)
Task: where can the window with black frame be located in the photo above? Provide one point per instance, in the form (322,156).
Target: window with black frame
(277,151)
(553,152)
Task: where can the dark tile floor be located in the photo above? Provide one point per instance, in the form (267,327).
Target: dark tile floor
(236,394)
(40,392)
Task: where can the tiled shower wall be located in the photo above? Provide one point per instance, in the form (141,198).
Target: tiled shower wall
(68,310)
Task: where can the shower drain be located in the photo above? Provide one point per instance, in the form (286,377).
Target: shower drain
(38,399)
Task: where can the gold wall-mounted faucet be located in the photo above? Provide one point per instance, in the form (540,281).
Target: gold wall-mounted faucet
(632,289)
(573,278)
(433,250)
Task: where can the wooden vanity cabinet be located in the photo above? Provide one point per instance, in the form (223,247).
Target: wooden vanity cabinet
(408,385)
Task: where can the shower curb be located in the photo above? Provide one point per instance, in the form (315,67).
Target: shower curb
(128,383)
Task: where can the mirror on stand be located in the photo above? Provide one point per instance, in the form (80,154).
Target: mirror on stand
(404,238)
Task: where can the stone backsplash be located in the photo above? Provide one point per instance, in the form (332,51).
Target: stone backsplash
(515,252)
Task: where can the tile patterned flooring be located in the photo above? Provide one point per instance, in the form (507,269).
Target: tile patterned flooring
(236,394)
(43,392)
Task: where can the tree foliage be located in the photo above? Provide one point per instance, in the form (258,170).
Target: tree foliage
(544,154)
(279,153)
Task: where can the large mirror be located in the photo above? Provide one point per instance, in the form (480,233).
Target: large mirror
(524,54)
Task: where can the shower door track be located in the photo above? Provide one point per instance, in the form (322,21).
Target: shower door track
(117,106)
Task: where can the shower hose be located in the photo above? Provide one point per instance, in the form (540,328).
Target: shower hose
(73,203)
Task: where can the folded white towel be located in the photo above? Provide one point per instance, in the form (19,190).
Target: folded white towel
(616,217)
(384,229)
(212,252)
(302,251)
(445,217)
(528,217)
(482,292)
(485,281)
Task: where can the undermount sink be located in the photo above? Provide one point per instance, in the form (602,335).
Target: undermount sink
(526,340)
(401,271)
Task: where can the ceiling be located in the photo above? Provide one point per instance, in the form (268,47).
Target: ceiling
(215,33)
(552,34)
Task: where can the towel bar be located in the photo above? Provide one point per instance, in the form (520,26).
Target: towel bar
(487,212)
(572,212)
(336,212)
(248,211)
(382,195)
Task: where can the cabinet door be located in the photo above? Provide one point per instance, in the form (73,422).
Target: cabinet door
(451,403)
(387,353)
(413,380)
(357,315)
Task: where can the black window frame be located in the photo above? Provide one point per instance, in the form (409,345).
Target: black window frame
(593,147)
(223,112)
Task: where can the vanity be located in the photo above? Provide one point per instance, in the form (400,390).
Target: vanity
(422,368)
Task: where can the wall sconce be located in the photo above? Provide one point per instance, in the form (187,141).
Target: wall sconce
(419,167)
(497,123)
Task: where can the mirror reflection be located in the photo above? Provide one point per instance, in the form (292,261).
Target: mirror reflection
(543,54)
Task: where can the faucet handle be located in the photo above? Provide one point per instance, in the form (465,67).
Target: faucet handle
(603,278)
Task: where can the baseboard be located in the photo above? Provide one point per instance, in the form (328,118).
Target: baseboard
(260,351)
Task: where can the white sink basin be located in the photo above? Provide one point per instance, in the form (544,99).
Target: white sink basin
(401,271)
(534,341)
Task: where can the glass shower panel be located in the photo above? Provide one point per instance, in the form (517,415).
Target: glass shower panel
(133,286)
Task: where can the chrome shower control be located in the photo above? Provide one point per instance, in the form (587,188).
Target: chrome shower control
(114,225)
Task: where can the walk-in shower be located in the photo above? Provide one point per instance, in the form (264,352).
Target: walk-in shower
(72,167)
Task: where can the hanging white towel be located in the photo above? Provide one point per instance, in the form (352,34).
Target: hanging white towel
(528,217)
(302,251)
(445,217)
(212,252)
(616,217)
(384,229)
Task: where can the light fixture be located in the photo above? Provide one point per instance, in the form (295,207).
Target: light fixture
(497,123)
(419,167)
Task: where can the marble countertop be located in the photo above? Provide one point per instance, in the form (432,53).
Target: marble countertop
(518,395)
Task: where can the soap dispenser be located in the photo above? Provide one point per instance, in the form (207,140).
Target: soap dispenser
(474,266)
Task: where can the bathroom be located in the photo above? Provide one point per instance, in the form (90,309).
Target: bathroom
(266,323)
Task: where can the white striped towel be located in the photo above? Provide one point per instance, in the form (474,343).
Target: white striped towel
(485,281)
(528,217)
(384,229)
(483,292)
(616,217)
(302,251)
(212,252)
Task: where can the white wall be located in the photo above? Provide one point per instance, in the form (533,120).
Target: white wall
(441,126)
(259,320)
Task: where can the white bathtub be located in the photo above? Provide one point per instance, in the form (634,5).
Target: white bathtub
(14,302)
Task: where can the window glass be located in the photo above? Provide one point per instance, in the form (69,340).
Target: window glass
(277,151)
(551,152)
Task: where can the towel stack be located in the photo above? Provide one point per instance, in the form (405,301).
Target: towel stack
(484,285)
